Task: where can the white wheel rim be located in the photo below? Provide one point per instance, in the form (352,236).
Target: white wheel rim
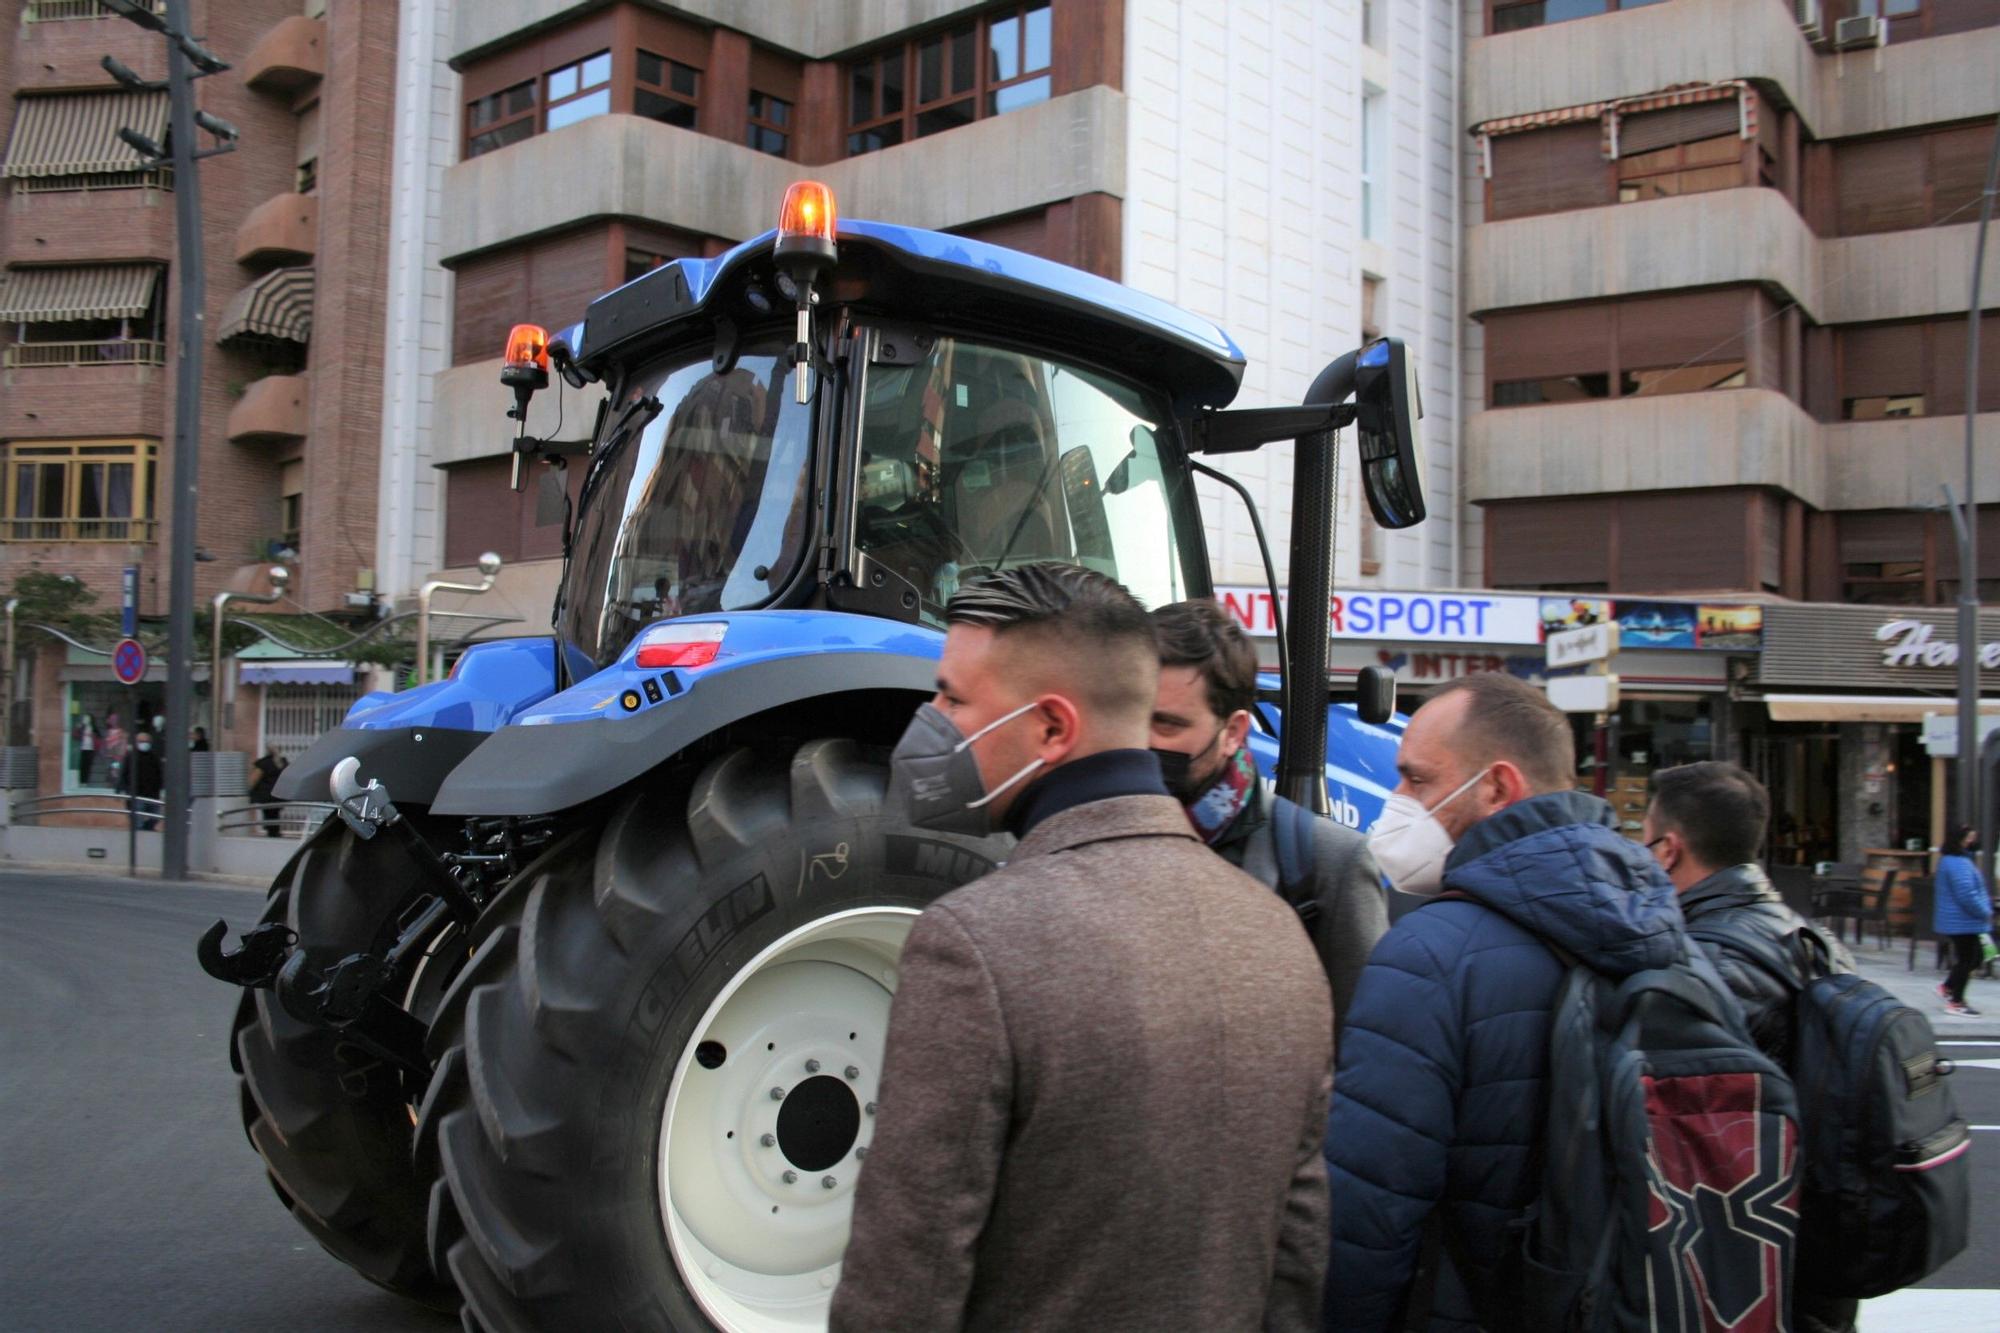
(759,1251)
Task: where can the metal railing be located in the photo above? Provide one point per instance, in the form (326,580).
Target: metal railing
(61,11)
(156,178)
(117,352)
(96,803)
(273,819)
(137,530)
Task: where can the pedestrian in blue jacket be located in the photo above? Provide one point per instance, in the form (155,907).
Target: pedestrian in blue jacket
(1438,1095)
(1963,913)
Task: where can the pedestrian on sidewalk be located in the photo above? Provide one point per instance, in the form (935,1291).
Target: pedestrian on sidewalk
(1704,826)
(1201,731)
(1107,1062)
(144,777)
(1964,912)
(1439,1106)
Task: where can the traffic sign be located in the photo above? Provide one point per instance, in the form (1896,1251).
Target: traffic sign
(1584,694)
(128,661)
(1592,643)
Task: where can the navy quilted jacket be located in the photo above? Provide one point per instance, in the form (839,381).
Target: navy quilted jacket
(1439,1089)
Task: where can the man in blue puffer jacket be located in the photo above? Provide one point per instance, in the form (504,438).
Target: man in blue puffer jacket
(1439,1090)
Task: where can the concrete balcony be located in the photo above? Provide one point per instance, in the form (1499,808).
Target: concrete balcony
(1731,437)
(1745,235)
(288,58)
(1898,464)
(277,407)
(623,166)
(1698,41)
(282,229)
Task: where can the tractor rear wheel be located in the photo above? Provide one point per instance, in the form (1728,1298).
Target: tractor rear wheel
(332,1123)
(656,1075)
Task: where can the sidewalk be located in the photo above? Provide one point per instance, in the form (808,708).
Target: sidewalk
(1889,969)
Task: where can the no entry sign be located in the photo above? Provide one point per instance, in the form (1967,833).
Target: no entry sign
(128,661)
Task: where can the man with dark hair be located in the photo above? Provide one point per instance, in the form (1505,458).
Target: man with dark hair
(1444,1055)
(1201,729)
(1705,826)
(1107,1062)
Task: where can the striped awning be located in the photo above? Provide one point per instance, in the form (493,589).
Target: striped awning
(1687,94)
(55,295)
(1608,114)
(277,305)
(76,134)
(1540,120)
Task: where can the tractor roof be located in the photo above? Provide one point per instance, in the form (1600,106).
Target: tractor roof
(928,276)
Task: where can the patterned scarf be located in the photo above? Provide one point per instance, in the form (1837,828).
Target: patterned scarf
(1218,804)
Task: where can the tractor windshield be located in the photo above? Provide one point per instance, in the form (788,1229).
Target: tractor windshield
(699,507)
(976,457)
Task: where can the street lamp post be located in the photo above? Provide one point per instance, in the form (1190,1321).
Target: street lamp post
(279,577)
(187,61)
(1971,808)
(489,569)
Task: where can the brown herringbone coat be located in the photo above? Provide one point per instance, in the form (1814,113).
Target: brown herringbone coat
(1103,1098)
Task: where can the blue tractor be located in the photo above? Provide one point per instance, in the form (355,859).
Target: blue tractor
(573,1019)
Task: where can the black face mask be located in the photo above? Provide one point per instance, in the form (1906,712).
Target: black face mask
(1177,770)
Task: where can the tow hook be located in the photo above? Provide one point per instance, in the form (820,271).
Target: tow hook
(255,965)
(368,810)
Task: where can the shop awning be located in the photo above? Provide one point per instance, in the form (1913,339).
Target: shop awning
(76,134)
(1725,107)
(297,671)
(56,295)
(277,305)
(1863,707)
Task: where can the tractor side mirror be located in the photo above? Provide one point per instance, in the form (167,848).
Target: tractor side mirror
(1387,409)
(1375,694)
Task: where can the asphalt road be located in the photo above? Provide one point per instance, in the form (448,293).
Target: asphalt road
(133,1201)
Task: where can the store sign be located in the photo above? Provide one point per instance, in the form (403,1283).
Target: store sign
(1405,617)
(1422,668)
(1915,644)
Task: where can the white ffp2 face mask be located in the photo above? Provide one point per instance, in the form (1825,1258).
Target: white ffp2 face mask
(1409,843)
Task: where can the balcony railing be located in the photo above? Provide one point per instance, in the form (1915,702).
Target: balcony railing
(158,178)
(140,530)
(128,352)
(59,11)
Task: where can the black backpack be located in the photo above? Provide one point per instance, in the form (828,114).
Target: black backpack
(1669,1166)
(1888,1182)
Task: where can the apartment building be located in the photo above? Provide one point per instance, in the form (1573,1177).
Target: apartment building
(295,227)
(1717,269)
(1289,171)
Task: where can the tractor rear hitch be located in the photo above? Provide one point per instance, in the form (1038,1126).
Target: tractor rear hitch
(347,998)
(255,965)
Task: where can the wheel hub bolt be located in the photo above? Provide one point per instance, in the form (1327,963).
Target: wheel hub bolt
(812,1066)
(871,1108)
(791,1177)
(861,1154)
(777,1094)
(852,1072)
(827,1182)
(769,1140)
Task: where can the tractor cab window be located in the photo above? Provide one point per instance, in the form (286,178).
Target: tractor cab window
(698,508)
(976,458)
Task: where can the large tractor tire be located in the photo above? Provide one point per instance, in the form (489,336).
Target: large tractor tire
(657,1073)
(332,1123)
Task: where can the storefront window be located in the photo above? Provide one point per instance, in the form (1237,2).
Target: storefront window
(1647,736)
(98,736)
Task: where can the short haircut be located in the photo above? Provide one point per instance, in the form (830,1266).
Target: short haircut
(1954,839)
(1718,810)
(1508,719)
(1091,633)
(1201,634)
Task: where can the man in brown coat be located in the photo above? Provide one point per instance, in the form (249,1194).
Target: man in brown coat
(1107,1068)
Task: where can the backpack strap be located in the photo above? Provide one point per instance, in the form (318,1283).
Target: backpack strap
(1292,833)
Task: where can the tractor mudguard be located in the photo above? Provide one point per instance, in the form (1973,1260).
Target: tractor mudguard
(604,732)
(412,739)
(411,761)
